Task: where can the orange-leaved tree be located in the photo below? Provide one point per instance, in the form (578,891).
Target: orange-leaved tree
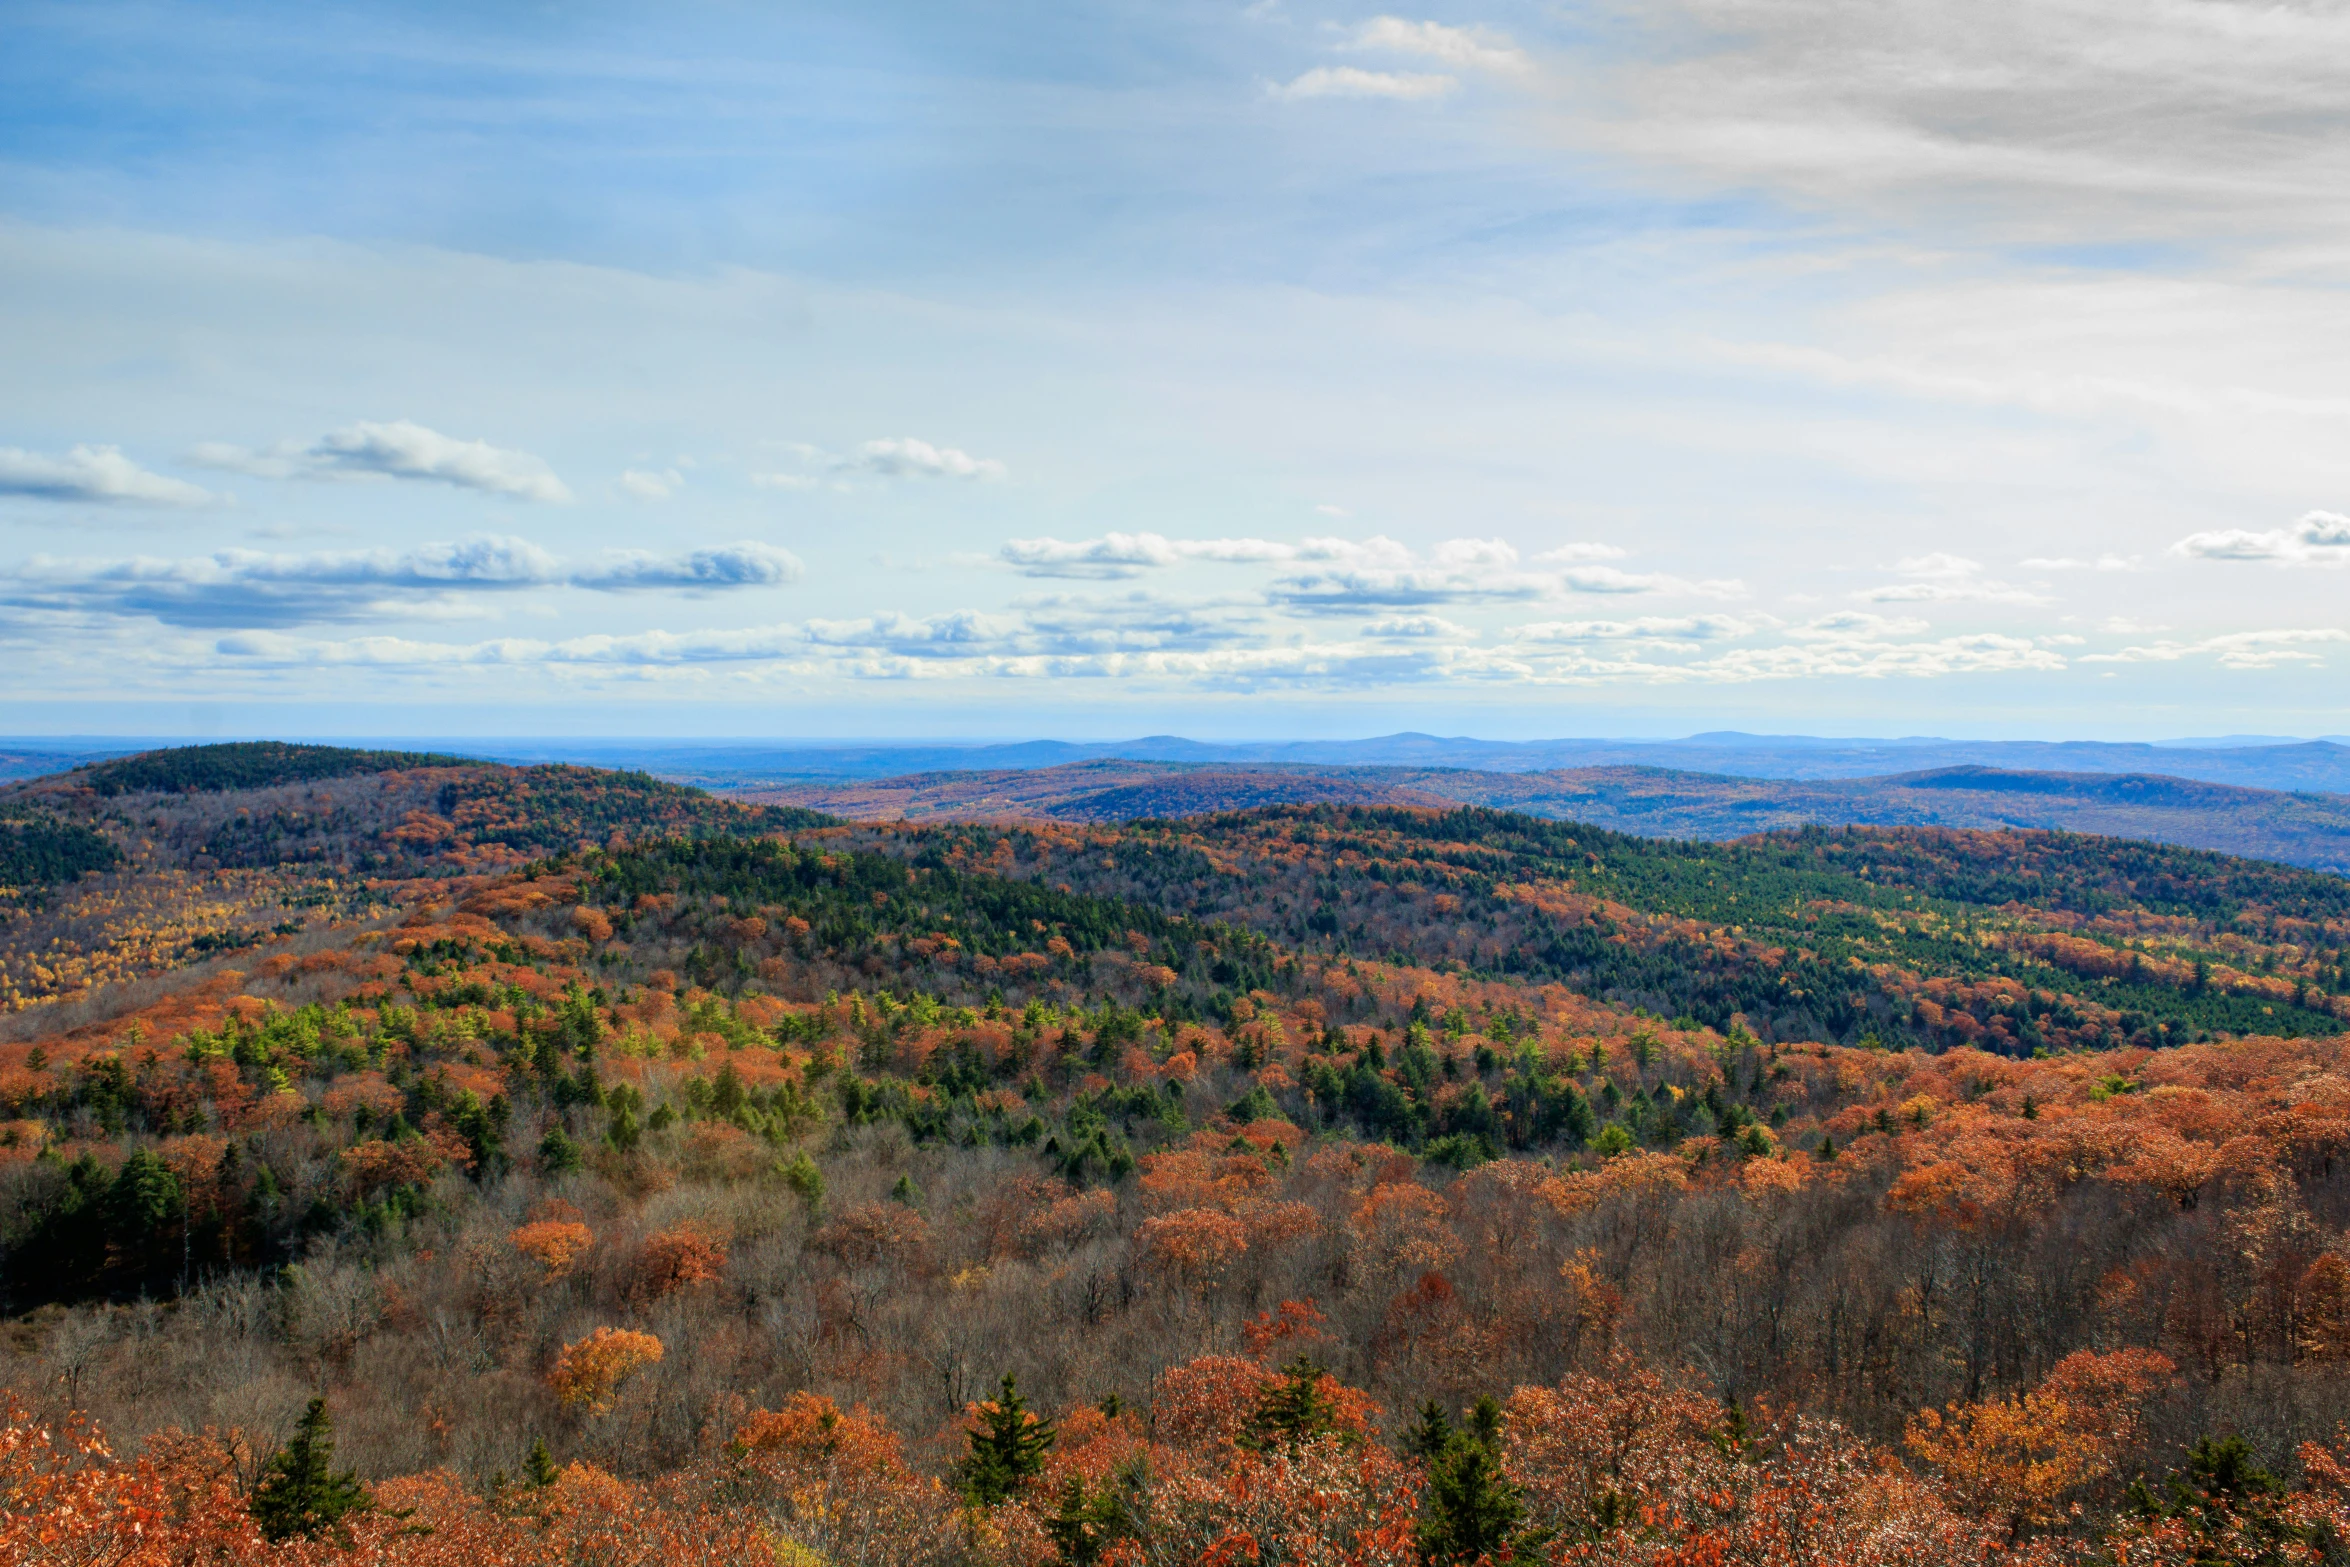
(589,1372)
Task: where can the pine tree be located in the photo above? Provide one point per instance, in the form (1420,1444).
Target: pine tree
(1472,1510)
(1430,1435)
(300,1493)
(1085,1524)
(1006,1451)
(539,1468)
(1292,1411)
(558,1154)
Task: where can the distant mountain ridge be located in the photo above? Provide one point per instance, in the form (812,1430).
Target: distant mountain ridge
(2319,765)
(2297,828)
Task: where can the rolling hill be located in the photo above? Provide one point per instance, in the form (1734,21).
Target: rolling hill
(2297,829)
(730,1172)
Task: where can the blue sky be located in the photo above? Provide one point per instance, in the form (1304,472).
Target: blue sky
(1235,370)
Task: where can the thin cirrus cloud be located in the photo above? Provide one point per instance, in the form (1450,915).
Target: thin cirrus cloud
(2053,122)
(1942,578)
(643,484)
(1463,48)
(251,588)
(1349,81)
(2319,538)
(93,475)
(394,449)
(1457,49)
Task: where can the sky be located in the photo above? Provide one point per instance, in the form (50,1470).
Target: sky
(1011,368)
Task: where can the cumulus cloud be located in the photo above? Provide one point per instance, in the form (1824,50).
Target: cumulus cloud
(2318,538)
(1673,628)
(1118,555)
(2234,649)
(1463,48)
(1858,623)
(903,457)
(251,588)
(976,644)
(99,475)
(744,565)
(1942,578)
(1348,81)
(394,449)
(1348,576)
(1419,626)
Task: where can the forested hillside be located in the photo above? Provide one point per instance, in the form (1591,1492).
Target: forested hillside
(634,1179)
(2311,829)
(132,869)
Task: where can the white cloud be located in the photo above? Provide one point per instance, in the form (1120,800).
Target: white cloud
(1943,578)
(744,565)
(1419,626)
(903,457)
(1110,556)
(1117,555)
(394,449)
(1464,48)
(2233,650)
(640,484)
(2105,562)
(1857,623)
(1570,554)
(2319,538)
(96,474)
(403,449)
(2054,122)
(2125,626)
(1347,81)
(251,588)
(1675,628)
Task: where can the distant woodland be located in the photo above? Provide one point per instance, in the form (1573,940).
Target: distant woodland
(422,1161)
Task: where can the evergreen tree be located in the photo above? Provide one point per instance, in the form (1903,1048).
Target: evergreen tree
(2234,1506)
(558,1154)
(1086,1524)
(1430,1435)
(1293,1411)
(1472,1510)
(539,1468)
(1006,1451)
(300,1493)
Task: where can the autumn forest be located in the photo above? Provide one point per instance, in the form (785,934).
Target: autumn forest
(412,1160)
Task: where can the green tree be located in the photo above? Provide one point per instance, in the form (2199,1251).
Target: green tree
(1428,1436)
(1473,1510)
(558,1154)
(300,1493)
(1292,1411)
(142,1203)
(539,1468)
(1086,1524)
(2234,1506)
(1006,1451)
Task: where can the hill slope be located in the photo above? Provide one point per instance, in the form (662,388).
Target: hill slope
(2298,829)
